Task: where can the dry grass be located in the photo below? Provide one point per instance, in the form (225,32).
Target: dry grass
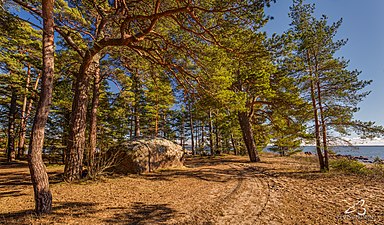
(278,190)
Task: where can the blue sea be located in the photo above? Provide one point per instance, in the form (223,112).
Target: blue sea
(370,152)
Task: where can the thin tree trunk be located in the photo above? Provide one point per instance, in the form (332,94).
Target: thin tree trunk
(39,176)
(131,125)
(157,117)
(317,128)
(23,119)
(136,90)
(233,144)
(202,133)
(137,122)
(182,138)
(93,119)
(217,137)
(191,127)
(211,133)
(324,131)
(247,132)
(316,117)
(11,126)
(65,135)
(322,119)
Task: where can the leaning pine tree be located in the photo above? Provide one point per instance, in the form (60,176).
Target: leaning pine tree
(43,196)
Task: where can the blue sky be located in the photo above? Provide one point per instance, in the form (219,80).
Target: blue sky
(364,29)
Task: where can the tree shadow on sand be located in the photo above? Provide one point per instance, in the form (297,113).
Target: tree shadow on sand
(60,209)
(144,214)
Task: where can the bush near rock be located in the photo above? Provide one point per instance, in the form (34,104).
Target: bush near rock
(147,155)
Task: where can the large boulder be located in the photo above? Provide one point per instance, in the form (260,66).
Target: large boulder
(147,155)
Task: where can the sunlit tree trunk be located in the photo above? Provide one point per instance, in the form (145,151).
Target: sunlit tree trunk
(322,118)
(246,129)
(316,116)
(39,176)
(93,114)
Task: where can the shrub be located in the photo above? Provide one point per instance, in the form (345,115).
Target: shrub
(349,166)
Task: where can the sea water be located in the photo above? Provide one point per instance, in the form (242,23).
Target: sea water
(370,152)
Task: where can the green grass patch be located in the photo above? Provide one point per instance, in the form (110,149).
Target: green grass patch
(349,166)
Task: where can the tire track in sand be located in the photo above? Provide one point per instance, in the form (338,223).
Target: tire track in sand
(244,202)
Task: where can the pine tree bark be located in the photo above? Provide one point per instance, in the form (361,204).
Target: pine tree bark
(249,140)
(11,126)
(39,176)
(93,114)
(76,142)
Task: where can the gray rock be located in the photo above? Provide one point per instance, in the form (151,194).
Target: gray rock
(147,155)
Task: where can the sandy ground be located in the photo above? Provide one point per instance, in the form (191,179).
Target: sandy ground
(224,190)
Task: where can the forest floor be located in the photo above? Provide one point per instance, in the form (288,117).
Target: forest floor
(223,190)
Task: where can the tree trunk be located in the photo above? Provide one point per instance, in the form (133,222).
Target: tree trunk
(39,176)
(137,122)
(217,137)
(316,117)
(11,126)
(191,128)
(317,128)
(23,119)
(136,90)
(247,132)
(93,115)
(322,119)
(233,144)
(211,133)
(202,133)
(76,143)
(182,138)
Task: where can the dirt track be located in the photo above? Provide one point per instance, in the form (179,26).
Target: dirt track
(226,190)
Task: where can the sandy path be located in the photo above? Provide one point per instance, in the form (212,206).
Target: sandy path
(224,190)
(243,202)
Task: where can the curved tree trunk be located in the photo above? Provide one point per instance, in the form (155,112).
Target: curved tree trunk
(39,176)
(249,140)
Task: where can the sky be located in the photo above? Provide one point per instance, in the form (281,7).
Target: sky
(363,27)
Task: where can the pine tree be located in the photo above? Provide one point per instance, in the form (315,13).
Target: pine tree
(331,86)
